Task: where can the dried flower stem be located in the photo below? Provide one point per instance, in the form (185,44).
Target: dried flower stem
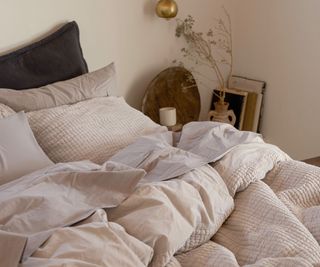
(211,51)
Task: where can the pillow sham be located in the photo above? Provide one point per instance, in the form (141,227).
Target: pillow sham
(20,153)
(93,130)
(5,111)
(94,84)
(55,58)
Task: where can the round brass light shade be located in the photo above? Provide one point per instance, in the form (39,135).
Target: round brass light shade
(167,9)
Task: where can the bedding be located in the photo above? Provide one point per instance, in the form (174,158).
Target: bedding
(42,202)
(57,57)
(169,227)
(98,83)
(94,129)
(5,111)
(297,184)
(262,230)
(19,151)
(111,246)
(251,207)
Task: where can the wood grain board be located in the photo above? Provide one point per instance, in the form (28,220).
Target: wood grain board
(313,161)
(173,87)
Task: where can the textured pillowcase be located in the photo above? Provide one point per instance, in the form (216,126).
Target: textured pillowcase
(55,58)
(20,153)
(90,85)
(94,129)
(5,111)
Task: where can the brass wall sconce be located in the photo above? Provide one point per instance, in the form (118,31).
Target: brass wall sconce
(167,9)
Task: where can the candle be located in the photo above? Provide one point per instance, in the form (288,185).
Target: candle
(168,116)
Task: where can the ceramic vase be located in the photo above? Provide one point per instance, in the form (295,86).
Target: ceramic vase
(222,114)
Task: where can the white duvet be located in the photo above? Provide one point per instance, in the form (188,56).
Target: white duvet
(37,206)
(158,205)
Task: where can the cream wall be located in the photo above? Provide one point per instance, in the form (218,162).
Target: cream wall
(278,41)
(127,32)
(120,31)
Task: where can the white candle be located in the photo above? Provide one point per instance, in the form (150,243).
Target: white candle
(168,116)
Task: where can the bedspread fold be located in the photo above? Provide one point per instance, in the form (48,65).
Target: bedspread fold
(264,228)
(213,196)
(34,206)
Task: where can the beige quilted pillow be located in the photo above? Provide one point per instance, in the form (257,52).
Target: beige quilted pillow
(5,111)
(93,129)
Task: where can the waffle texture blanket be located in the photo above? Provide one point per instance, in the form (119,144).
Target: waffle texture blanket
(275,221)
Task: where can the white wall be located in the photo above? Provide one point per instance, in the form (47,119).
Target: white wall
(127,32)
(278,41)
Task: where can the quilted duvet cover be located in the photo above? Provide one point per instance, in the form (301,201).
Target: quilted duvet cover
(213,196)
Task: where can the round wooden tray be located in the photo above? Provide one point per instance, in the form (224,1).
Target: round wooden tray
(173,87)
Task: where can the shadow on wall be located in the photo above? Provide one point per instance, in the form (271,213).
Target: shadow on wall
(34,39)
(149,8)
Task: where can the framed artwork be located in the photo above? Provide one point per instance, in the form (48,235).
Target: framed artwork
(254,108)
(237,100)
(246,101)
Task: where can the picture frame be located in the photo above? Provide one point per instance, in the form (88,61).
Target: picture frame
(254,108)
(245,98)
(237,100)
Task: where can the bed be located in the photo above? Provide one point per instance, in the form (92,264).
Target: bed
(86,180)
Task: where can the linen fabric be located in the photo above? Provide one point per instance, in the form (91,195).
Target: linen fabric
(5,111)
(256,207)
(35,206)
(297,185)
(20,153)
(264,229)
(95,242)
(55,58)
(178,215)
(93,130)
(98,83)
(261,230)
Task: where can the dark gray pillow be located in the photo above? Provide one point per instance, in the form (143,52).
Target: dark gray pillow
(55,58)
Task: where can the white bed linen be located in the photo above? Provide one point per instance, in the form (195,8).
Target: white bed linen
(20,153)
(297,185)
(262,231)
(175,217)
(32,207)
(93,242)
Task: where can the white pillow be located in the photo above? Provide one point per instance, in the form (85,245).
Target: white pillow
(5,111)
(20,153)
(99,83)
(93,130)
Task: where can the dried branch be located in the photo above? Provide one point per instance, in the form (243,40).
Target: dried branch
(210,50)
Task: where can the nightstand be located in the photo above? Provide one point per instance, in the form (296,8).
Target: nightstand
(175,128)
(313,161)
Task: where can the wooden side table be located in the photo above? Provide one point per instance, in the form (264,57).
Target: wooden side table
(175,128)
(313,161)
